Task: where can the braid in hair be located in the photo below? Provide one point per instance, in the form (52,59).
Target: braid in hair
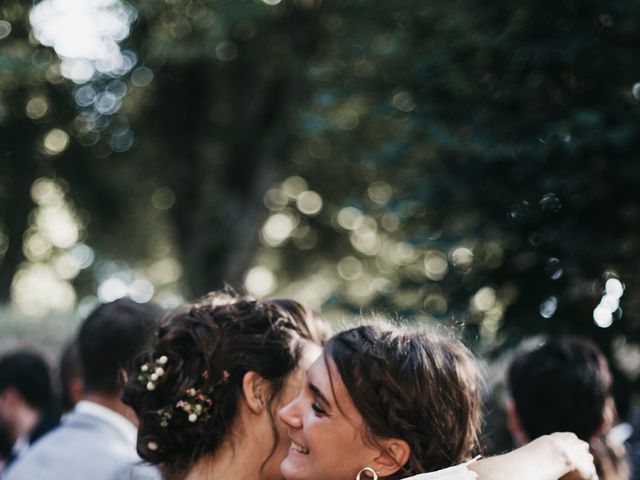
(413,386)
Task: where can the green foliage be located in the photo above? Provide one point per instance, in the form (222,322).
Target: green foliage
(476,163)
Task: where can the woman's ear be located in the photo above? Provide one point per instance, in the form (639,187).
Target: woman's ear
(515,425)
(394,455)
(609,416)
(256,391)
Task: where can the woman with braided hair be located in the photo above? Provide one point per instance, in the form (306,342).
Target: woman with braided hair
(389,402)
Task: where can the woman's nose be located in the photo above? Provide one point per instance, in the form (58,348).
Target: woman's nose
(289,414)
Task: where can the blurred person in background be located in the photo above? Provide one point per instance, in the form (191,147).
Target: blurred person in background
(565,385)
(27,402)
(71,383)
(6,442)
(97,439)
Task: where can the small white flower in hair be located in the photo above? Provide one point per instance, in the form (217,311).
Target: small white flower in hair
(144,368)
(151,386)
(154,377)
(159,371)
(162,360)
(193,417)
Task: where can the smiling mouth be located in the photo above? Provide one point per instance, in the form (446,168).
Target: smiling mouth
(299,448)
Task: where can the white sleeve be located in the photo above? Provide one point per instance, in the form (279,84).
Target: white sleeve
(459,472)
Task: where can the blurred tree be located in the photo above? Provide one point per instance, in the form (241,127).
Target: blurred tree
(30,102)
(219,126)
(470,164)
(507,137)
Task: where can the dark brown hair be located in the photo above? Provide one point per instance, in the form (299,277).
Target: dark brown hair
(410,385)
(561,386)
(209,346)
(111,337)
(28,373)
(564,386)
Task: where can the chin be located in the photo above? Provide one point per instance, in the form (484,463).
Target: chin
(289,471)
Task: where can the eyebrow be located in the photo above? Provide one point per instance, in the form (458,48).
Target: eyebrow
(316,391)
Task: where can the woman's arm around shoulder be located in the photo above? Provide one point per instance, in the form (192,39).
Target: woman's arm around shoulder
(549,457)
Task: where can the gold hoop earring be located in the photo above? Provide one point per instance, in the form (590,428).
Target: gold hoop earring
(371,471)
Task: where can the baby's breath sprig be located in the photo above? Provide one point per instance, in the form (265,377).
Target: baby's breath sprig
(165,415)
(151,372)
(196,404)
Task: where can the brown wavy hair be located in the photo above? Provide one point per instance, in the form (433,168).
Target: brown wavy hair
(411,385)
(209,346)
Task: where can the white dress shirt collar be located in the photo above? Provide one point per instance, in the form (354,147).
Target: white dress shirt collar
(117,421)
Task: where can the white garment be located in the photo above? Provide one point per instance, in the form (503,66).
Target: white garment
(117,421)
(20,446)
(92,443)
(459,472)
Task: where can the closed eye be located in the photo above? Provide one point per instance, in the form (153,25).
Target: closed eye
(319,411)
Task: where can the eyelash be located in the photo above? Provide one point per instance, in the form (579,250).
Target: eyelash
(319,411)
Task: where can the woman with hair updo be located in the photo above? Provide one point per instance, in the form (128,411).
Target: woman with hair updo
(389,402)
(208,393)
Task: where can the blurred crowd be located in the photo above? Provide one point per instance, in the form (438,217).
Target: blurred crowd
(77,421)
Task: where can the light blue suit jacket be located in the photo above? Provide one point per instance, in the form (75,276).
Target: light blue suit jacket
(84,447)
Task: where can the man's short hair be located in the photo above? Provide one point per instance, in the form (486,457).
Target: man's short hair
(6,440)
(110,338)
(562,386)
(70,370)
(28,373)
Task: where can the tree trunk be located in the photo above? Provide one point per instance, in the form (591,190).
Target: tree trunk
(225,169)
(18,168)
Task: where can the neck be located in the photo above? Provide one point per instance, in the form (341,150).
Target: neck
(25,421)
(238,463)
(114,403)
(240,456)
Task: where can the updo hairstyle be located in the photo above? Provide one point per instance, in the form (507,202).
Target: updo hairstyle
(202,354)
(415,386)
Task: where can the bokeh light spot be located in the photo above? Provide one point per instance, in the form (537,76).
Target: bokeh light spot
(278,228)
(484,299)
(55,141)
(141,290)
(349,268)
(112,289)
(435,265)
(275,199)
(5,29)
(602,317)
(461,258)
(37,107)
(163,198)
(142,76)
(309,202)
(294,186)
(260,281)
(404,102)
(379,192)
(349,218)
(614,287)
(165,271)
(548,307)
(85,34)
